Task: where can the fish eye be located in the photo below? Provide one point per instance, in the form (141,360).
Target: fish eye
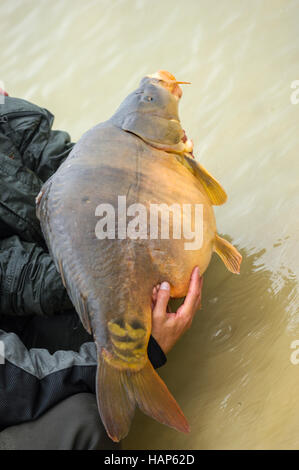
(149,98)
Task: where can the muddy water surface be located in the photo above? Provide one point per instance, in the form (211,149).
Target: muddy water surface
(232,372)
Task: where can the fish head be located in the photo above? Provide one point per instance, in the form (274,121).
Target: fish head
(151,112)
(168,81)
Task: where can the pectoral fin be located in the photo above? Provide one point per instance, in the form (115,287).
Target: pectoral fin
(214,190)
(229,254)
(154,129)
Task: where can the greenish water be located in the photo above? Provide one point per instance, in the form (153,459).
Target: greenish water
(231,373)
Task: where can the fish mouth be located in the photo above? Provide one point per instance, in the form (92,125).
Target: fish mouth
(188,145)
(167,80)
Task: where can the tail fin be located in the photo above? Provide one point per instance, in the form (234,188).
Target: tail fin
(119,391)
(229,254)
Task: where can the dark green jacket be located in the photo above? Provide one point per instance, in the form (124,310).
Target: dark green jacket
(30,152)
(48,354)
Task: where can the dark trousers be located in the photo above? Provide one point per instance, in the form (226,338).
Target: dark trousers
(73,424)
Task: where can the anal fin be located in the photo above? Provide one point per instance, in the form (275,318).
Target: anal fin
(229,254)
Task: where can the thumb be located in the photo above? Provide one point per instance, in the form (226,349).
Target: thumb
(162,298)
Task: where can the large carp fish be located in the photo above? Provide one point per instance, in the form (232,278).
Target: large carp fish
(99,214)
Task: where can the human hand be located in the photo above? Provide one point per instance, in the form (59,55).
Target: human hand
(168,327)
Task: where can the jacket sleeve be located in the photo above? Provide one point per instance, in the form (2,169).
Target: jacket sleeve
(155,353)
(29,281)
(30,152)
(33,380)
(26,136)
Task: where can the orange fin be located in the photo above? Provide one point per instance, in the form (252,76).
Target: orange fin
(116,401)
(119,390)
(213,189)
(155,400)
(229,254)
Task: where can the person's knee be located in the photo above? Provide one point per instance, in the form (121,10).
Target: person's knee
(90,432)
(73,424)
